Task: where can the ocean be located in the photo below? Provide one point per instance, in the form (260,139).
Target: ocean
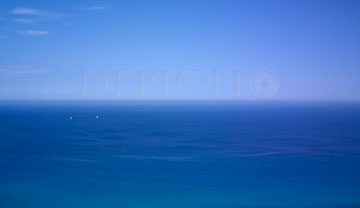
(179,154)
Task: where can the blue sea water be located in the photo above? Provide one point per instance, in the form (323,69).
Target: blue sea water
(179,154)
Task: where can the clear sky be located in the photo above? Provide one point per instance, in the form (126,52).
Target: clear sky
(180,49)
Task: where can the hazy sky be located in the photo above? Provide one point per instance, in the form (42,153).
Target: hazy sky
(180,49)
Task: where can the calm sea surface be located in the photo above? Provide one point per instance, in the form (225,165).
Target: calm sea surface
(179,154)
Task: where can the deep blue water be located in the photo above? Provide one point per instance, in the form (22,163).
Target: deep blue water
(179,154)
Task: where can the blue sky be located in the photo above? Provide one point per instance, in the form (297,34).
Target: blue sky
(235,50)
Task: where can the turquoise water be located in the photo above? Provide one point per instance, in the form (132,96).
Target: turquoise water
(179,154)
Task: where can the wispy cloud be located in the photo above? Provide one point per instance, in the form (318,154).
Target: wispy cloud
(24,20)
(35,32)
(21,69)
(32,71)
(22,10)
(26,15)
(96,8)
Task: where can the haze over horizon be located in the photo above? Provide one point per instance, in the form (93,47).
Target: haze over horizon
(180,50)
